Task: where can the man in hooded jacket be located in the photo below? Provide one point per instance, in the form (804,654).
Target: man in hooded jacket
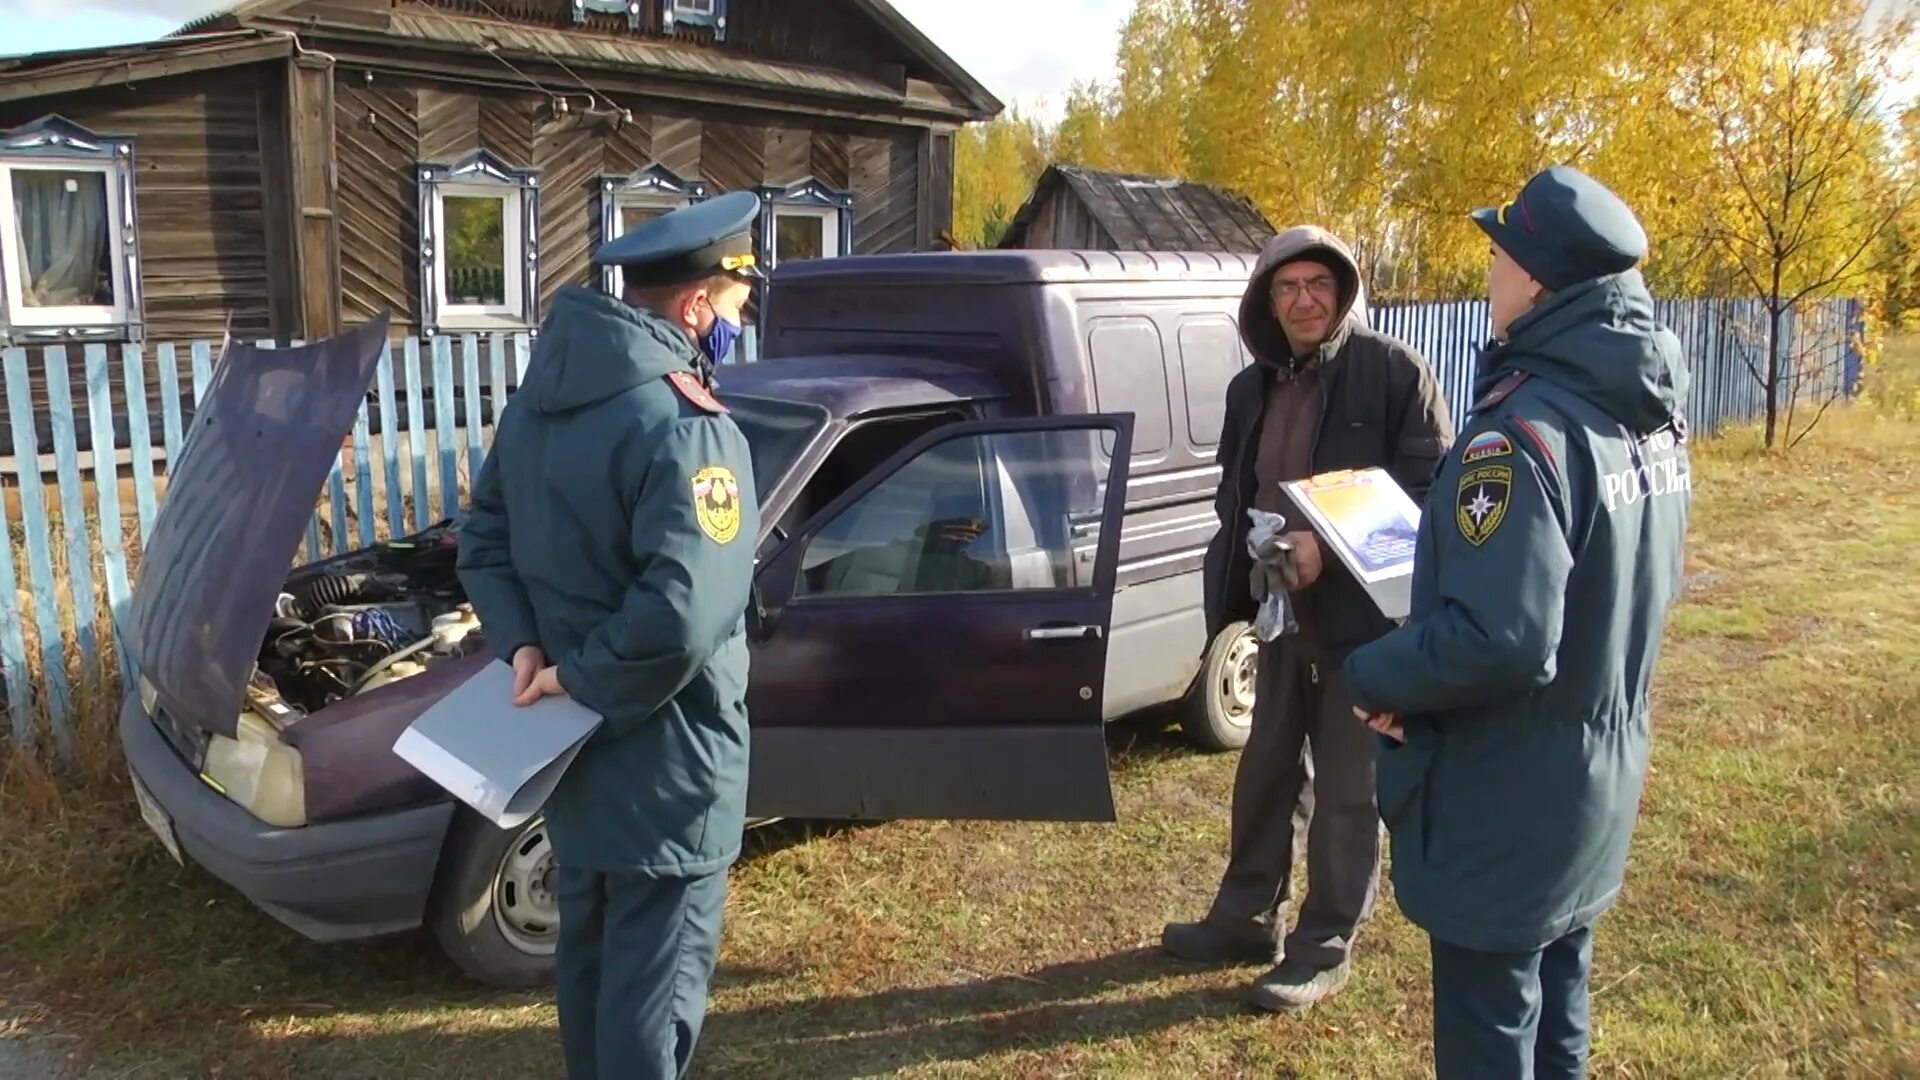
(1325,393)
(1513,705)
(609,554)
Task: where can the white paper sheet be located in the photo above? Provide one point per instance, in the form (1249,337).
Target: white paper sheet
(497,757)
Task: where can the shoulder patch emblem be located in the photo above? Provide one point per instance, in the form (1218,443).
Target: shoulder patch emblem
(716,503)
(689,386)
(1487,444)
(1480,505)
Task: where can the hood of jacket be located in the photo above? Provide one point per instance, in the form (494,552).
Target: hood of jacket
(1602,340)
(594,346)
(1261,329)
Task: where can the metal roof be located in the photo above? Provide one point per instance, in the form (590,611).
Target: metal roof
(981,103)
(1150,213)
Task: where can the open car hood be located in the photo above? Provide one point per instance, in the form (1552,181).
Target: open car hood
(237,504)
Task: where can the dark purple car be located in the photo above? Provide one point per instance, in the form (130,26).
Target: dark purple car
(930,632)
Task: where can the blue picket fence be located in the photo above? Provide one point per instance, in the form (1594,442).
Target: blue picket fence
(68,569)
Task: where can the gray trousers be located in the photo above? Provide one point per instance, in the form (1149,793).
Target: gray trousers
(1306,771)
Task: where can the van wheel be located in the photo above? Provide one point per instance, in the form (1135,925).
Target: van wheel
(1219,713)
(494,909)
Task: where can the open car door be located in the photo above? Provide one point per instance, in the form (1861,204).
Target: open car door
(932,643)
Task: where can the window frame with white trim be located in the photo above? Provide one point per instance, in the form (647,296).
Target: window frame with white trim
(480,175)
(807,200)
(53,144)
(654,187)
(708,13)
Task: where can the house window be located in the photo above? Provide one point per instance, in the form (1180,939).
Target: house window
(711,13)
(628,202)
(629,8)
(69,250)
(805,221)
(479,246)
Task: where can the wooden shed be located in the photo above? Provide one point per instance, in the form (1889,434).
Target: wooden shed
(1080,209)
(287,168)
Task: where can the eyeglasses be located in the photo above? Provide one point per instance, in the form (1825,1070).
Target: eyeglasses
(1322,285)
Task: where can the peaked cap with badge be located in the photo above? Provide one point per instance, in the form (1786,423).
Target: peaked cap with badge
(688,243)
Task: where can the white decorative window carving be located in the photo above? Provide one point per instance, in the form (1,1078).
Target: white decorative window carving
(69,239)
(629,8)
(711,13)
(628,202)
(805,221)
(479,246)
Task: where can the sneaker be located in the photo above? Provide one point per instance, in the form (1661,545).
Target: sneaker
(1294,987)
(1208,943)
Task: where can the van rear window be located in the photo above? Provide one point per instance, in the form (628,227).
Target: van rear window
(1130,375)
(1210,356)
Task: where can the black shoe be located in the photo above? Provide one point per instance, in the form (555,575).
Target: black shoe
(1291,987)
(1210,944)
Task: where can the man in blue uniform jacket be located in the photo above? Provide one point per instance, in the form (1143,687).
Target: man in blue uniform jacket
(1513,704)
(609,554)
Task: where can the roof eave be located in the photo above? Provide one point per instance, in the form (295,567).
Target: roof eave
(986,105)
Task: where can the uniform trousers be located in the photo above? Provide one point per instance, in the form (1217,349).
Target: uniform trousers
(633,963)
(1281,791)
(1512,1016)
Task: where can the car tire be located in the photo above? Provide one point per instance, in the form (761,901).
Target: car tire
(1218,714)
(493,910)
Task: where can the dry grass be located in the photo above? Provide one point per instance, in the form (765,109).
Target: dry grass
(1768,929)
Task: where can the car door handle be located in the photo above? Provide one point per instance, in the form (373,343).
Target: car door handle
(1062,633)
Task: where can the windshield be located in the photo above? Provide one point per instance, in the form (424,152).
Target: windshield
(776,432)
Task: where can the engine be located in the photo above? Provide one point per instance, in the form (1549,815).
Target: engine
(358,622)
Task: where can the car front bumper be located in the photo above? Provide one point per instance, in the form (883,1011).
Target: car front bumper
(335,881)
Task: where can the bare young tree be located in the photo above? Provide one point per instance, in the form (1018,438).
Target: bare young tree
(1803,191)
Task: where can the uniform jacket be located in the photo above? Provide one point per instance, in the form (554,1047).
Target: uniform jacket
(1549,552)
(613,524)
(1382,407)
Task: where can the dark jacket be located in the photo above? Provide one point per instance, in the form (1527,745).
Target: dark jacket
(1383,408)
(1544,570)
(614,524)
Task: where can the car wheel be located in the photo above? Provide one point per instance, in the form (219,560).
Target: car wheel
(494,910)
(1219,714)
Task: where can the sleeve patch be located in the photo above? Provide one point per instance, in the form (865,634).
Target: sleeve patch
(689,386)
(1480,504)
(716,503)
(1487,444)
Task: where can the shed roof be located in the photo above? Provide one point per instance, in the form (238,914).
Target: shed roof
(1150,213)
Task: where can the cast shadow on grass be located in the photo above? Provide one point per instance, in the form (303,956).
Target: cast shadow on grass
(838,1038)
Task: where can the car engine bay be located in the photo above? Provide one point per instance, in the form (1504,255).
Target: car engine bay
(354,623)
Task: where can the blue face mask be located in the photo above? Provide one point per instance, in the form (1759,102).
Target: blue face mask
(719,338)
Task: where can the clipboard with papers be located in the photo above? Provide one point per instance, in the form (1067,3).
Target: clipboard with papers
(502,759)
(1370,524)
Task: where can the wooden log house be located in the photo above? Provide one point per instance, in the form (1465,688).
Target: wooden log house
(288,168)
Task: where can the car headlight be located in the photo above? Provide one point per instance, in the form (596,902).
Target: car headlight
(259,772)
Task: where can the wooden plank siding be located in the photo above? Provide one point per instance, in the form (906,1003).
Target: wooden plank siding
(385,128)
(376,146)
(201,193)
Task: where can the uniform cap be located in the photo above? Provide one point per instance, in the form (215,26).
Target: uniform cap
(688,243)
(1566,227)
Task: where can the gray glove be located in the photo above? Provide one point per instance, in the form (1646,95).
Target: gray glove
(1275,574)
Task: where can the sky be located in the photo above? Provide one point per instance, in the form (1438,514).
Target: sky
(1028,52)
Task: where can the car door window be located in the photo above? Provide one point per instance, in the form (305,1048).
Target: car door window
(974,513)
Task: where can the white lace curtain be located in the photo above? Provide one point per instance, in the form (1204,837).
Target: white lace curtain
(61,220)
